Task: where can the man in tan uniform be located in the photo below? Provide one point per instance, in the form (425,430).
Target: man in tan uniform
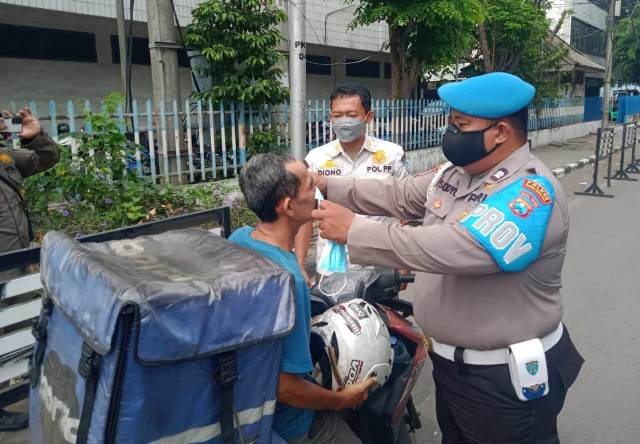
(352,154)
(489,258)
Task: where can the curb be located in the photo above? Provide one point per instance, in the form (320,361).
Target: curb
(571,167)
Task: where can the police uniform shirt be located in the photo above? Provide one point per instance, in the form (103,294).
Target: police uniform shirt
(377,159)
(489,254)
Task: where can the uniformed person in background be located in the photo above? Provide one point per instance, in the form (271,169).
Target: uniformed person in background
(489,258)
(352,154)
(39,152)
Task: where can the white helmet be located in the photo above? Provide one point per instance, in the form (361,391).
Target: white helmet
(349,343)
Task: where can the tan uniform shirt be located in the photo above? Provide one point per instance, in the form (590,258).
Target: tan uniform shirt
(462,297)
(378,159)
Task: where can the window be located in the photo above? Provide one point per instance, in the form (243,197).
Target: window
(587,38)
(322,70)
(579,79)
(363,69)
(28,42)
(602,4)
(387,70)
(141,54)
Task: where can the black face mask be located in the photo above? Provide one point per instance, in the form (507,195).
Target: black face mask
(463,148)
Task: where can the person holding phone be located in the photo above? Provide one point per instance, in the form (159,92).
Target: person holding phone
(38,153)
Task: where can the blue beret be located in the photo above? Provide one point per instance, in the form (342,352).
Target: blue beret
(493,95)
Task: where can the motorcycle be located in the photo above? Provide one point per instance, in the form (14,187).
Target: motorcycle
(389,414)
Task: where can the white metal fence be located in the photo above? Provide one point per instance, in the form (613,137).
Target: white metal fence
(198,141)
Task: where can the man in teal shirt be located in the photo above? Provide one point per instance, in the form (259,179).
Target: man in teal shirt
(282,194)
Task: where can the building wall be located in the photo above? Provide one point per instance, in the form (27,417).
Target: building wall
(22,80)
(583,10)
(320,86)
(327,20)
(104,8)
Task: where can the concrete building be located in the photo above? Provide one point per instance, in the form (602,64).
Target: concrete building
(584,31)
(68,49)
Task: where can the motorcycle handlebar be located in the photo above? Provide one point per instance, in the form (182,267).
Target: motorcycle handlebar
(406,278)
(392,278)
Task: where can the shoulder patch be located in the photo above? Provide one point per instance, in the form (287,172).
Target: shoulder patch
(512,223)
(329,163)
(379,156)
(317,156)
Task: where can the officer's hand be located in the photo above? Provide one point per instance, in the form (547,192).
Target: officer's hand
(335,221)
(310,281)
(354,395)
(320,182)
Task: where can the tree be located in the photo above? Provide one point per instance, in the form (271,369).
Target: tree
(239,40)
(515,37)
(626,50)
(423,34)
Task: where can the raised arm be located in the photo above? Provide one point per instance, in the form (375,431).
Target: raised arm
(401,198)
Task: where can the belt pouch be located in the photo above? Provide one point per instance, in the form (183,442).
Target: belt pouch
(528,369)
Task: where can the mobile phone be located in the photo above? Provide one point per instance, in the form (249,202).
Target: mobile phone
(13,124)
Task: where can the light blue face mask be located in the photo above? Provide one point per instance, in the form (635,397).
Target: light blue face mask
(333,258)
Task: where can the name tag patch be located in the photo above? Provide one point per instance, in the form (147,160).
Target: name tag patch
(447,188)
(511,224)
(379,169)
(334,172)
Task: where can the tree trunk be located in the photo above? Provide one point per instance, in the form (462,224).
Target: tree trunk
(484,48)
(396,49)
(555,31)
(409,81)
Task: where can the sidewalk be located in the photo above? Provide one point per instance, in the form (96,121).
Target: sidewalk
(571,154)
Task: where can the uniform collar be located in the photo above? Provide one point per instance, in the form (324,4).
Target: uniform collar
(500,172)
(508,166)
(368,145)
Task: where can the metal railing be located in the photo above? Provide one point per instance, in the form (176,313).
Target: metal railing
(199,141)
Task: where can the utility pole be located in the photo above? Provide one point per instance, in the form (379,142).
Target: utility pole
(123,48)
(608,63)
(297,77)
(163,49)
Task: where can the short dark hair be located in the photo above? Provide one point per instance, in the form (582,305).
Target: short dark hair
(265,181)
(351,90)
(520,121)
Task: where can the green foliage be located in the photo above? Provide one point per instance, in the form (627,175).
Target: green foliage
(92,191)
(426,35)
(518,40)
(264,142)
(626,50)
(239,39)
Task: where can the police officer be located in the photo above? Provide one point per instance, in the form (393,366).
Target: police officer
(352,154)
(489,258)
(38,154)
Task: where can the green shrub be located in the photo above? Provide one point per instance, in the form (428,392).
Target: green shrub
(93,191)
(264,142)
